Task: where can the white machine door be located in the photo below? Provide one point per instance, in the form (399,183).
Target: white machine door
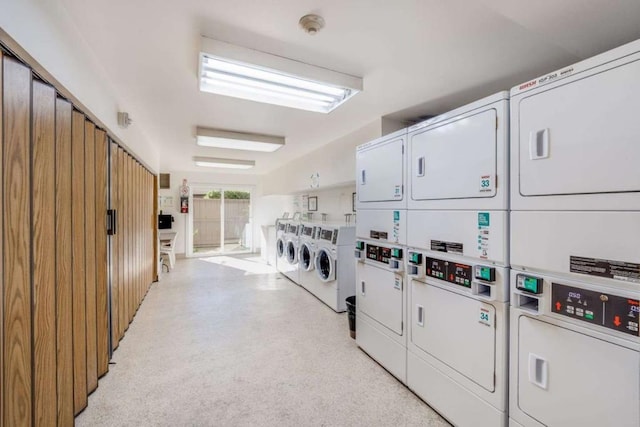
(456,160)
(455,329)
(582,137)
(566,378)
(379,295)
(380,171)
(306,257)
(280,247)
(325,265)
(292,252)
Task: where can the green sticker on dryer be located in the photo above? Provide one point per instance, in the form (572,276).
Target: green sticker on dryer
(484,219)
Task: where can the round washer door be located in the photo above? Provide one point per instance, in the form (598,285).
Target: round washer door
(306,257)
(280,248)
(292,253)
(325,266)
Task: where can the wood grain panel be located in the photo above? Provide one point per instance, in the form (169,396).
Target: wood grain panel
(101,253)
(64,279)
(2,389)
(18,391)
(122,244)
(44,253)
(90,247)
(115,259)
(78,272)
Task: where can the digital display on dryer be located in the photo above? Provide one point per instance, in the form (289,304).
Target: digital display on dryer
(307,231)
(378,253)
(326,235)
(281,227)
(293,229)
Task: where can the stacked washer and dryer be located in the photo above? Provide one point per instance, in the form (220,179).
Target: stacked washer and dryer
(575,245)
(520,299)
(458,262)
(381,294)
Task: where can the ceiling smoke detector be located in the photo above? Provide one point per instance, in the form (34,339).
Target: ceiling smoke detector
(311,24)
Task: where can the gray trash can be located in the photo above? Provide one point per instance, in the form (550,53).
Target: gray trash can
(351,310)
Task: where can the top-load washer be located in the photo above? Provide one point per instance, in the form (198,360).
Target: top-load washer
(381,232)
(575,252)
(307,253)
(457,262)
(334,265)
(291,241)
(281,262)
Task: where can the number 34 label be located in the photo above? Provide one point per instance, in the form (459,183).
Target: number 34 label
(485,317)
(487,183)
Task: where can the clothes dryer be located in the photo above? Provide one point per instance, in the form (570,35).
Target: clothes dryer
(574,247)
(381,231)
(458,262)
(334,266)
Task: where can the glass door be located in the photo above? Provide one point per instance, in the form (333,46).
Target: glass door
(221,221)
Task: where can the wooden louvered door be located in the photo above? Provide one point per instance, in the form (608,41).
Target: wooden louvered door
(101,258)
(64,283)
(17,319)
(90,248)
(44,253)
(78,271)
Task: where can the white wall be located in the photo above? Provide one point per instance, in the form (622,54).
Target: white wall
(46,32)
(335,202)
(334,163)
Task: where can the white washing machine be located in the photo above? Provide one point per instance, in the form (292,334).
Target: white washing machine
(306,255)
(290,266)
(281,262)
(575,252)
(381,296)
(334,266)
(458,262)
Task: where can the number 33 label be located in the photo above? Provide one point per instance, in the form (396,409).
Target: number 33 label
(485,317)
(486,183)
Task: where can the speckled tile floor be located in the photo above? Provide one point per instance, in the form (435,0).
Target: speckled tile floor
(226,342)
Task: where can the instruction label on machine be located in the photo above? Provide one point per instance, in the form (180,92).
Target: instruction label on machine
(484,227)
(485,317)
(619,270)
(441,246)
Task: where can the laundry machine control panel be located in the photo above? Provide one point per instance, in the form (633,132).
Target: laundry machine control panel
(611,311)
(292,229)
(452,272)
(281,226)
(307,231)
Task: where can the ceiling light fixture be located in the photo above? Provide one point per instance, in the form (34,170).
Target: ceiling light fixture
(230,70)
(213,162)
(237,140)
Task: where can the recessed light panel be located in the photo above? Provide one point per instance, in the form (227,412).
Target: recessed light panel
(238,140)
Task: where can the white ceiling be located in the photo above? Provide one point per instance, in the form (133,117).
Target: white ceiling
(417,57)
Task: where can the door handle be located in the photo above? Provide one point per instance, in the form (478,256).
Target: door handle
(539,144)
(363,177)
(362,287)
(421,164)
(420,315)
(538,371)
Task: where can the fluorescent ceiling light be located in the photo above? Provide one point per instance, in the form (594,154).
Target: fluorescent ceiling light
(237,140)
(244,73)
(213,162)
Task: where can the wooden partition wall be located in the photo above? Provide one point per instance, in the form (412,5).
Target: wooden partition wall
(69,290)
